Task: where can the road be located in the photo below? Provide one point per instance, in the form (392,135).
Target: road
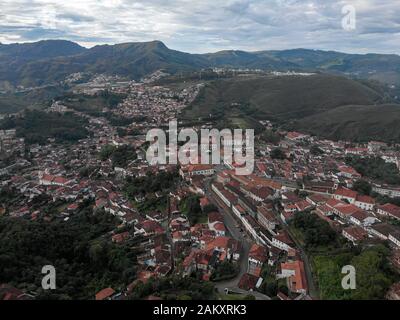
(312,288)
(235,233)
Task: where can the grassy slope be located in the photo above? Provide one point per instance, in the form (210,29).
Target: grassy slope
(280,98)
(359,123)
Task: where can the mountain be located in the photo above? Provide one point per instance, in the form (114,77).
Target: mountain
(38,50)
(132,60)
(45,62)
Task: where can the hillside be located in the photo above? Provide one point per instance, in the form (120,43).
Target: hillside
(279,98)
(329,106)
(38,50)
(45,62)
(132,60)
(357,123)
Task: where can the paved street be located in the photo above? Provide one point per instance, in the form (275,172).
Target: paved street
(233,228)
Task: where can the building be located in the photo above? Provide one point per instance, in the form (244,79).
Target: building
(389,210)
(258,255)
(296,277)
(196,170)
(355,234)
(391,192)
(282,241)
(266,218)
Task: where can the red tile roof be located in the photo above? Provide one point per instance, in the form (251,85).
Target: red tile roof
(105,294)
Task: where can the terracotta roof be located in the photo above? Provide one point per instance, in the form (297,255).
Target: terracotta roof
(248,282)
(259,253)
(105,294)
(365,199)
(215,217)
(346,193)
(298,281)
(356,232)
(391,209)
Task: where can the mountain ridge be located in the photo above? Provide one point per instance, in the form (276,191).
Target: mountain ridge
(48,61)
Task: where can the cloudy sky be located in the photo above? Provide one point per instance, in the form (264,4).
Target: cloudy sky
(207,25)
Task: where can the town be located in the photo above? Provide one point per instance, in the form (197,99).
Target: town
(262,236)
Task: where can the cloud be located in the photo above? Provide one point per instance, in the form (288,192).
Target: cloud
(207,25)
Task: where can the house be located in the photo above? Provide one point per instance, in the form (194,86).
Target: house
(342,209)
(345,194)
(324,210)
(348,172)
(362,218)
(355,234)
(226,196)
(392,192)
(225,245)
(389,210)
(382,230)
(365,202)
(266,218)
(196,170)
(249,282)
(258,255)
(296,277)
(303,205)
(148,228)
(253,228)
(258,193)
(282,241)
(317,199)
(219,228)
(296,136)
(120,237)
(214,217)
(394,237)
(239,211)
(105,294)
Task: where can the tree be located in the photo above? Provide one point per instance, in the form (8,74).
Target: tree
(363,187)
(278,154)
(316,151)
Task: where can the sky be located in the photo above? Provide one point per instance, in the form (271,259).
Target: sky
(209,25)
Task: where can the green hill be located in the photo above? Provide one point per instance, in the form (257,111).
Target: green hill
(329,106)
(357,123)
(279,98)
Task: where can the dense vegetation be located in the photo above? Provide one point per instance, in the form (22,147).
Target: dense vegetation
(224,271)
(151,183)
(190,206)
(119,156)
(92,104)
(278,154)
(373,274)
(375,168)
(85,262)
(316,232)
(174,288)
(12,102)
(38,126)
